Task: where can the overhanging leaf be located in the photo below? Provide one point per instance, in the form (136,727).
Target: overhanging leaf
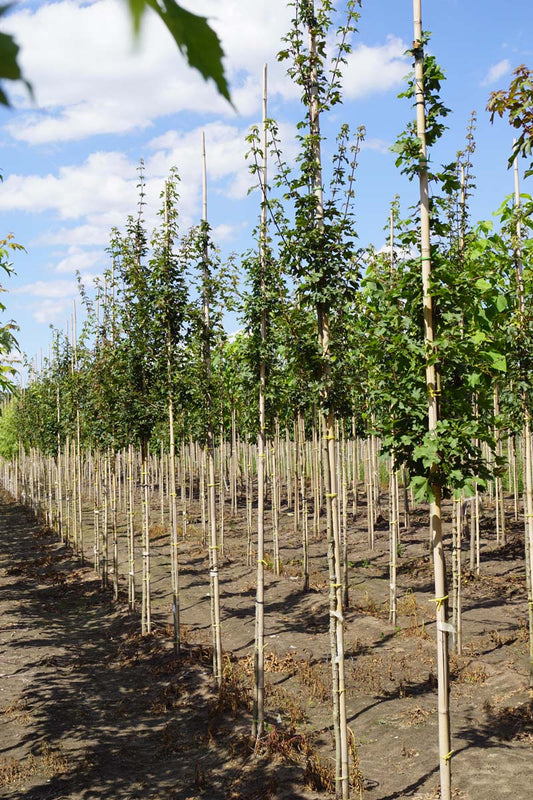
(9,66)
(137,9)
(196,40)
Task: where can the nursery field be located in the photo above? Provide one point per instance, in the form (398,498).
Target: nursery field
(294,560)
(91,708)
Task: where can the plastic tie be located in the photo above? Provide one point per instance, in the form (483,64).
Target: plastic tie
(448,756)
(439,601)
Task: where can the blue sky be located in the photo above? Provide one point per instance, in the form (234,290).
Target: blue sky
(69,161)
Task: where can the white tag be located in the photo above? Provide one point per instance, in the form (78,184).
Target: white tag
(447,627)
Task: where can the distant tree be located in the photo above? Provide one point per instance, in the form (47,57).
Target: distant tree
(517,104)
(8,343)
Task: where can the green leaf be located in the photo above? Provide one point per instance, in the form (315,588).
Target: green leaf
(421,488)
(478,337)
(486,226)
(137,9)
(501,302)
(196,40)
(482,285)
(498,361)
(473,379)
(9,66)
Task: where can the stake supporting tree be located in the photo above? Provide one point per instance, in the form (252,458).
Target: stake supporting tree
(433,391)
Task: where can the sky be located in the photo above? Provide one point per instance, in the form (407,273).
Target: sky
(69,158)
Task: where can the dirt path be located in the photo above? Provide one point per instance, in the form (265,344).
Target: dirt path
(89,709)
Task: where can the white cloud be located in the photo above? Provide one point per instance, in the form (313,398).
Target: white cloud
(50,312)
(375,69)
(52,303)
(225,156)
(78,260)
(101,192)
(496,72)
(80,235)
(49,290)
(379,145)
(102,182)
(225,233)
(89,79)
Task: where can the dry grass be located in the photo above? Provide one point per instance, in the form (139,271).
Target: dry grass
(284,744)
(319,776)
(286,705)
(234,695)
(49,763)
(17,710)
(356,776)
(414,717)
(312,677)
(166,700)
(367,673)
(157,531)
(14,772)
(408,607)
(464,670)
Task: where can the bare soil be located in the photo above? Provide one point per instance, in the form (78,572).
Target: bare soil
(91,709)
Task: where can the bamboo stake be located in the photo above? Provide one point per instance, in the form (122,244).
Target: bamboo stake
(213,543)
(528,465)
(146,616)
(174,564)
(441,594)
(329,464)
(259,651)
(131,535)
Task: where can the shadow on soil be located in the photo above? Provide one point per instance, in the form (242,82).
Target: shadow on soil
(122,716)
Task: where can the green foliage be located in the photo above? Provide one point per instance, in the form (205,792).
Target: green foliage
(149,341)
(8,342)
(9,439)
(9,66)
(408,146)
(316,230)
(517,104)
(471,300)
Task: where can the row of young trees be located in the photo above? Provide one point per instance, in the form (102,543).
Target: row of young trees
(424,343)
